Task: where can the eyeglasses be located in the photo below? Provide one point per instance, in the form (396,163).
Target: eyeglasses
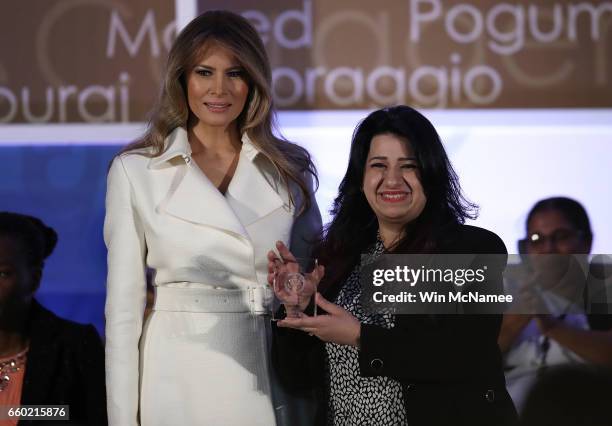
(558,237)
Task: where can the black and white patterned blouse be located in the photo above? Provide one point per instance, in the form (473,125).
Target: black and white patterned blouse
(356,400)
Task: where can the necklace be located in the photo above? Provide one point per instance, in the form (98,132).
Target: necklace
(11,366)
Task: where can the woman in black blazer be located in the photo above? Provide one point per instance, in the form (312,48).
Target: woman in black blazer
(399,195)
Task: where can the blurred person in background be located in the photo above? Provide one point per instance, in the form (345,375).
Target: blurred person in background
(44,359)
(199,199)
(531,342)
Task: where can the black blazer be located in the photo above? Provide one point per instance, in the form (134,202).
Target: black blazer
(65,365)
(449,366)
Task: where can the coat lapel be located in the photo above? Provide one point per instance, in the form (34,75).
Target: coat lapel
(177,145)
(192,197)
(251,195)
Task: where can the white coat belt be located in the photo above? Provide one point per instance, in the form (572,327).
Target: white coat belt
(255,299)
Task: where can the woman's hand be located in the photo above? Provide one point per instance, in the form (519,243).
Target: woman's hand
(338,326)
(274,261)
(280,270)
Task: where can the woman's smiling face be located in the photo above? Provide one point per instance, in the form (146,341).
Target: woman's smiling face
(391,181)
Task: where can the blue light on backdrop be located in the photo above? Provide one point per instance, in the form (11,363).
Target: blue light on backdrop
(64,185)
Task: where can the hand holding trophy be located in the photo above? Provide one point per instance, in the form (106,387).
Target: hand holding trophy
(294,281)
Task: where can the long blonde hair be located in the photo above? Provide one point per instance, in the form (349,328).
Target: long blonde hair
(236,34)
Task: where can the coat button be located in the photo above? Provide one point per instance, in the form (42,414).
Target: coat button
(490,395)
(376,364)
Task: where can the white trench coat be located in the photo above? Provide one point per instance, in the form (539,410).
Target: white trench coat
(202,357)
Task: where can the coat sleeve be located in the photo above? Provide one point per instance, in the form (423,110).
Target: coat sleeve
(307,226)
(125,296)
(293,351)
(297,360)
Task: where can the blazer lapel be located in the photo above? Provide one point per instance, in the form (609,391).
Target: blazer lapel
(251,195)
(192,197)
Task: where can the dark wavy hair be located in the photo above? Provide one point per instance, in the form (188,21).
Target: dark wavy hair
(38,239)
(354,225)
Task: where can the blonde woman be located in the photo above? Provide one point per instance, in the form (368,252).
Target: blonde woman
(200,199)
